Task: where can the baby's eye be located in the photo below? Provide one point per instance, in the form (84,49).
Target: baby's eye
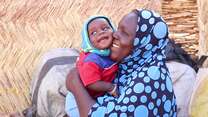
(106,28)
(94,33)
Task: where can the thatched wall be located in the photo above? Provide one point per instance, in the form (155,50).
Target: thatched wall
(181,16)
(28,28)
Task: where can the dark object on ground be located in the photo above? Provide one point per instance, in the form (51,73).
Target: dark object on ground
(174,52)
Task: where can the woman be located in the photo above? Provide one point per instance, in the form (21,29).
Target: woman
(145,86)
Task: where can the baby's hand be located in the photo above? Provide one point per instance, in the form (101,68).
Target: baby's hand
(114,92)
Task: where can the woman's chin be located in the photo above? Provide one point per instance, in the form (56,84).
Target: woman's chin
(115,57)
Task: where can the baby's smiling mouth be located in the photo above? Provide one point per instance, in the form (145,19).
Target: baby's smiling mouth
(103,38)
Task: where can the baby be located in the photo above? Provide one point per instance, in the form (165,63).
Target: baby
(96,69)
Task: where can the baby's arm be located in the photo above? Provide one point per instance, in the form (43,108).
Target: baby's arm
(102,86)
(91,77)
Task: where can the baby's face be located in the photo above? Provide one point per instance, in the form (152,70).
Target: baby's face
(100,33)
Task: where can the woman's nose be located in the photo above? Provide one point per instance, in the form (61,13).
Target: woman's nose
(115,35)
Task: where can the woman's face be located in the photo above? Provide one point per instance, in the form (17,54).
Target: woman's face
(124,37)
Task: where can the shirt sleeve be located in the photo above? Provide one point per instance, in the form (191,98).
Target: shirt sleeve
(89,73)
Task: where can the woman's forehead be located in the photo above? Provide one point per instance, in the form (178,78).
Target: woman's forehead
(129,23)
(129,19)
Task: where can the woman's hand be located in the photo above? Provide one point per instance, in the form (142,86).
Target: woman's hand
(72,80)
(83,99)
(114,92)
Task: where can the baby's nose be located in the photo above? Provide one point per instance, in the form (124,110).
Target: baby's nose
(100,32)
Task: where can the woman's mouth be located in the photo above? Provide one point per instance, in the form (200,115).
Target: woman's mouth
(114,45)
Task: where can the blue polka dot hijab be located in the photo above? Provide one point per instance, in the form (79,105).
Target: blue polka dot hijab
(145,86)
(151,38)
(86,44)
(143,74)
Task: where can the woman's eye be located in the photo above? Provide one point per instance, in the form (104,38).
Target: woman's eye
(126,32)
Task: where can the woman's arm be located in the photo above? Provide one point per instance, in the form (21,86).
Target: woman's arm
(101,86)
(83,99)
